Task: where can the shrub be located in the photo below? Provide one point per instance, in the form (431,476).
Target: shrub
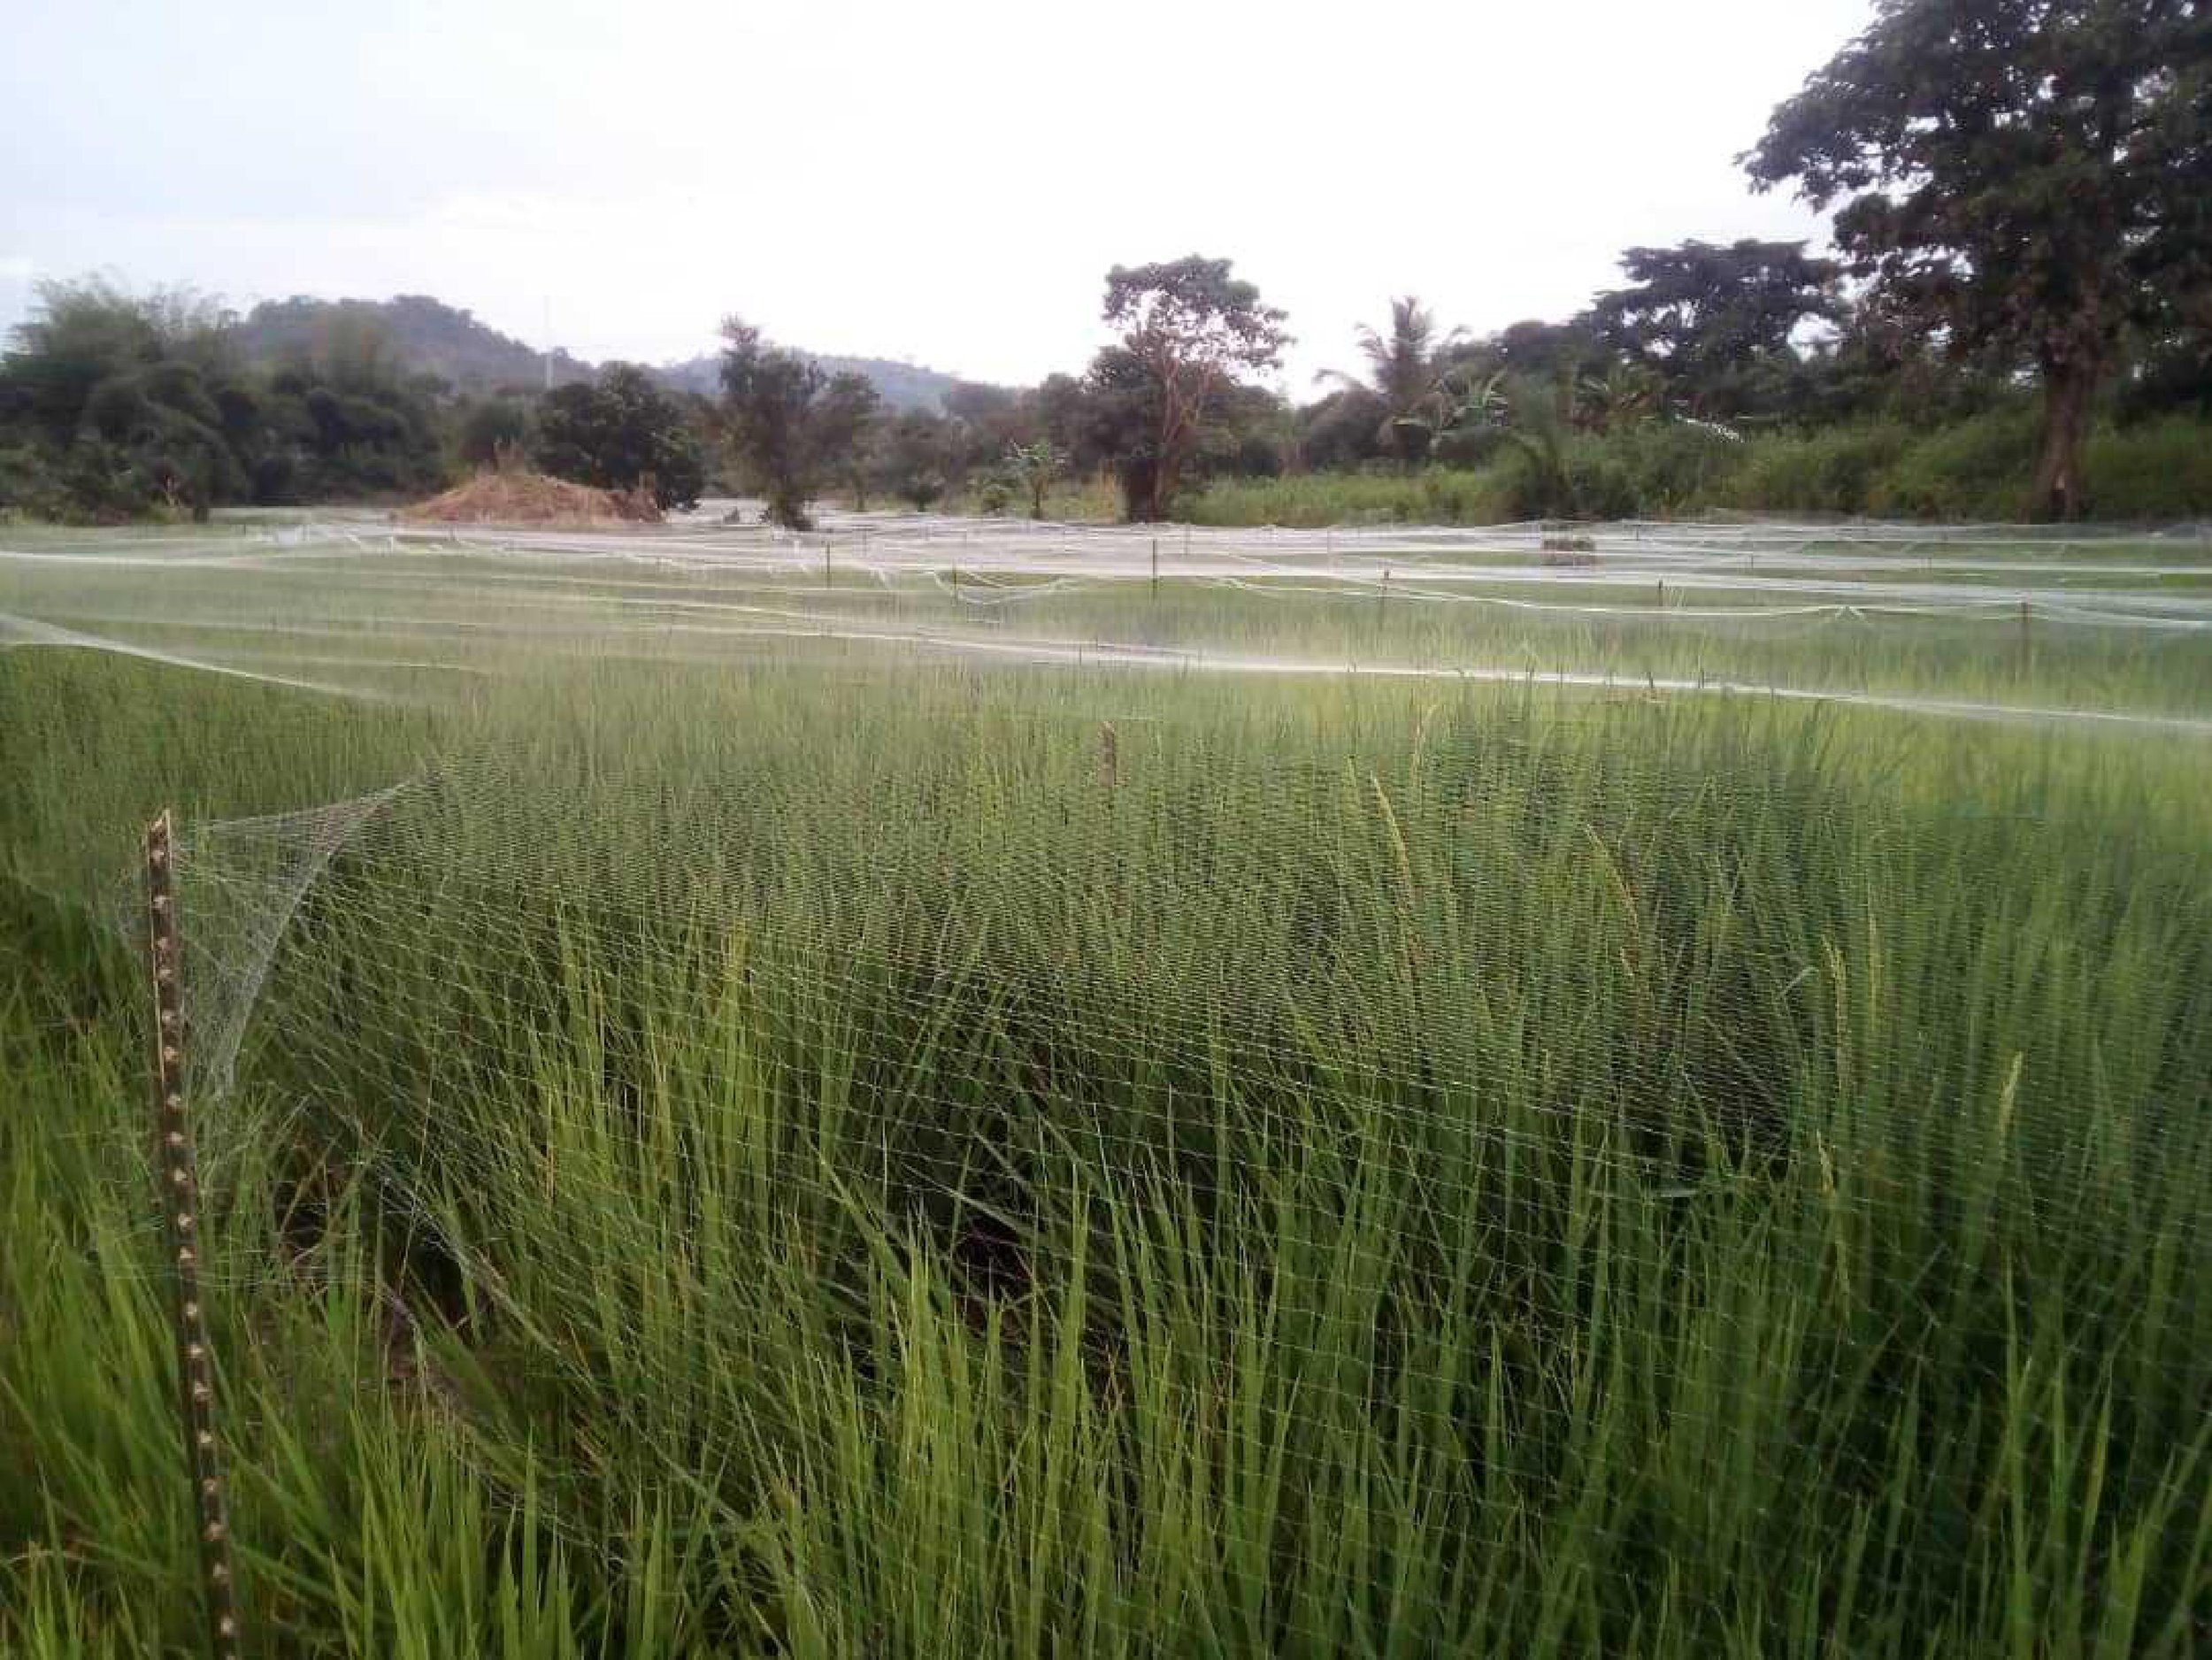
(1979,468)
(2157,470)
(1834,470)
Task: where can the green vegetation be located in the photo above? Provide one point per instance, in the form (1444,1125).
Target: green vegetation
(622,432)
(1977,468)
(790,424)
(766,1145)
(2015,324)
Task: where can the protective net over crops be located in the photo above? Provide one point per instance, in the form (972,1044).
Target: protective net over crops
(1971,619)
(1514,1152)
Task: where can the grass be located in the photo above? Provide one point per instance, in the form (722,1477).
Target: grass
(802,1157)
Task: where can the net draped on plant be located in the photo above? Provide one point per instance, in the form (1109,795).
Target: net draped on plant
(1372,1093)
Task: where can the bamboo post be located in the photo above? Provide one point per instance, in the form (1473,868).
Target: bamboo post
(179,1172)
(1156,568)
(826,560)
(1109,756)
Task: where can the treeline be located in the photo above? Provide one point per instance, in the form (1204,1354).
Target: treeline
(114,406)
(2016,317)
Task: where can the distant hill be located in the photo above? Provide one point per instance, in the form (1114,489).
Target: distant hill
(423,334)
(904,386)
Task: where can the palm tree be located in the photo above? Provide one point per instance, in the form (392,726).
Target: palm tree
(1408,373)
(1624,394)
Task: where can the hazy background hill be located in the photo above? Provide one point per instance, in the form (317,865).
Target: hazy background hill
(426,335)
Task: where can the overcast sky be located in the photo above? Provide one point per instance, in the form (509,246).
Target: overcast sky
(942,182)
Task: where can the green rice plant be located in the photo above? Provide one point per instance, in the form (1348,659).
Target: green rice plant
(781,1156)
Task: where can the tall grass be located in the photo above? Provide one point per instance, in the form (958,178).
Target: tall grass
(792,1160)
(1980,468)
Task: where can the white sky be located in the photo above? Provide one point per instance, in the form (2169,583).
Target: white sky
(945,182)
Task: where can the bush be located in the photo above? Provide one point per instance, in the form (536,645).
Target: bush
(2158,470)
(1439,496)
(1829,472)
(1675,466)
(30,483)
(1979,468)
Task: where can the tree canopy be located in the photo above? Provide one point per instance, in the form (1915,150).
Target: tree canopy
(1712,320)
(1408,387)
(787,420)
(622,432)
(1189,331)
(2034,175)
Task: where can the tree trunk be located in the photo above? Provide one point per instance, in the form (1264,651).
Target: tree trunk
(2069,384)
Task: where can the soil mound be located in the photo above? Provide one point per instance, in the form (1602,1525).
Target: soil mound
(514,497)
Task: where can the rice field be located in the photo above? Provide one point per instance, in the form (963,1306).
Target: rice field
(958,1087)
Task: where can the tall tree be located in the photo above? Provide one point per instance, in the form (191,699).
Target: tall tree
(790,423)
(846,421)
(1714,321)
(2030,174)
(1189,331)
(1409,378)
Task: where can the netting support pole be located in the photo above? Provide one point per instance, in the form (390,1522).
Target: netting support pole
(177,1170)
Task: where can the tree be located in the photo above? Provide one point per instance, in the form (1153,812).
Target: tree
(1715,321)
(126,402)
(846,420)
(788,422)
(918,458)
(1408,375)
(2034,175)
(622,432)
(1624,394)
(1189,330)
(1034,467)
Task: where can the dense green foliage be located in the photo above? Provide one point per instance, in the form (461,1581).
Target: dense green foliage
(2029,178)
(621,431)
(111,406)
(790,424)
(1979,467)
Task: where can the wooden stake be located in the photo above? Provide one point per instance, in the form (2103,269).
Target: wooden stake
(177,1170)
(1109,756)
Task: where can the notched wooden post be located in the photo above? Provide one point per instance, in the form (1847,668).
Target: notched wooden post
(178,1171)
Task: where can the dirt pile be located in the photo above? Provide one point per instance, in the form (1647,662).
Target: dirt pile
(511,496)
